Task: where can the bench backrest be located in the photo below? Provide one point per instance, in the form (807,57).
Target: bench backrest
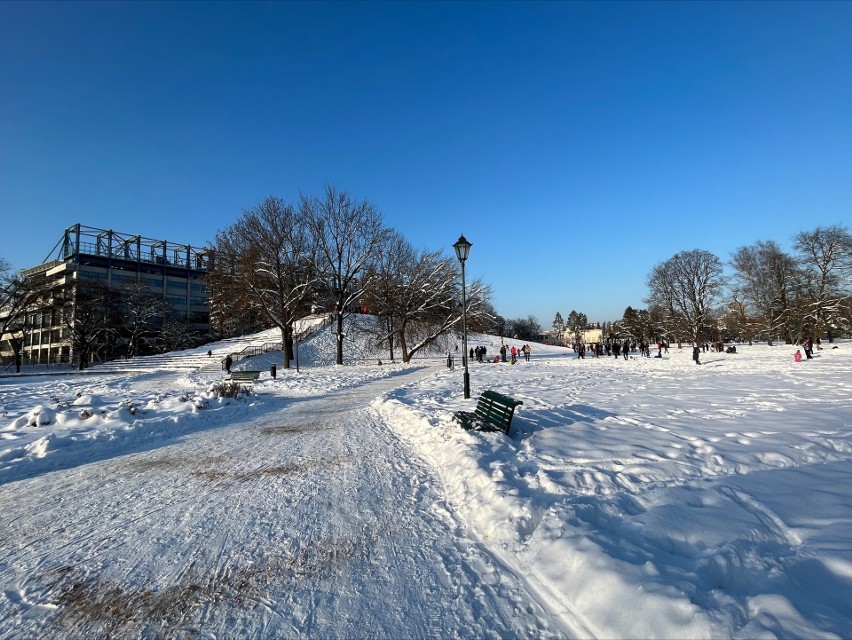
(245,375)
(496,409)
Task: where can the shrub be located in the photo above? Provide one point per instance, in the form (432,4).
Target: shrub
(230,389)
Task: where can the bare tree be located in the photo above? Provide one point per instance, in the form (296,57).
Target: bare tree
(89,315)
(688,284)
(348,235)
(386,276)
(14,294)
(418,295)
(482,317)
(736,320)
(527,328)
(766,281)
(177,334)
(19,298)
(267,260)
(142,310)
(825,258)
(232,312)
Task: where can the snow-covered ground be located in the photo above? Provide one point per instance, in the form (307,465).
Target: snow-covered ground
(633,498)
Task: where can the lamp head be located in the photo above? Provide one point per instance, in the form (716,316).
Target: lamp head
(462,247)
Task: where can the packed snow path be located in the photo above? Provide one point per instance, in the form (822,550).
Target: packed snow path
(309,521)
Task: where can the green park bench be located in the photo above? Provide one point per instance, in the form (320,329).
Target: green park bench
(494,412)
(245,376)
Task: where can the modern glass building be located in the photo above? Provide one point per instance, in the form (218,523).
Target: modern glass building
(84,255)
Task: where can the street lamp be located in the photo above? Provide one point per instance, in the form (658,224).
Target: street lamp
(462,247)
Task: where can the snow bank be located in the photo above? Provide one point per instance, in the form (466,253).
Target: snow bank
(654,498)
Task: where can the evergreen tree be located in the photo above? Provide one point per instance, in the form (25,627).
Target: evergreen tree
(558,326)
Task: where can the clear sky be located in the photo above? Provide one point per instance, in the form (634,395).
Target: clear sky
(574,144)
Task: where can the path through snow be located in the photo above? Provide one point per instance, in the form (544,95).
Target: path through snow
(311,520)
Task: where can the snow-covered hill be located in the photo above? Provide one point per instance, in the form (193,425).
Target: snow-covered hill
(632,498)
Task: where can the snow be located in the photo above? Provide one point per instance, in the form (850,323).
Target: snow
(647,497)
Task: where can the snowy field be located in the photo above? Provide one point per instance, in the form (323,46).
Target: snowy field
(633,499)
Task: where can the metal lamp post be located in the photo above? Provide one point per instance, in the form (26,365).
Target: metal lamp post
(462,247)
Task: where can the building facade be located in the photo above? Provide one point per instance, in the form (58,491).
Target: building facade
(86,257)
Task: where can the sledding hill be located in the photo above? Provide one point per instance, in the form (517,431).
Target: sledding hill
(198,358)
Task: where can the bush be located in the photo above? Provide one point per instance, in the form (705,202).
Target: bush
(230,389)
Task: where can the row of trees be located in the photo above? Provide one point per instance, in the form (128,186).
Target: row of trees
(575,324)
(280,261)
(770,294)
(762,293)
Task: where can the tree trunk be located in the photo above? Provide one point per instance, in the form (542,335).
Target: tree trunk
(403,346)
(339,338)
(286,350)
(389,323)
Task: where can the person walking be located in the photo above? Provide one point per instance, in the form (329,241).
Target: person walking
(228,362)
(527,351)
(808,347)
(696,353)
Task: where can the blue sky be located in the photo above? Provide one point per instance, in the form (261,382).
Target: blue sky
(574,144)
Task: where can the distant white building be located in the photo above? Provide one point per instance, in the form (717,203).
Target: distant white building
(589,336)
(593,336)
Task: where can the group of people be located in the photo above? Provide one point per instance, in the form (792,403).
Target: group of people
(516,353)
(808,346)
(616,348)
(480,353)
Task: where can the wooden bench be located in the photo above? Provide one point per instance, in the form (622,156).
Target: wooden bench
(493,412)
(245,376)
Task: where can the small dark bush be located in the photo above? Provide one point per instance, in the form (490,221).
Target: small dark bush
(231,389)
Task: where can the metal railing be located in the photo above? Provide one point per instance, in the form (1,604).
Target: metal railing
(257,350)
